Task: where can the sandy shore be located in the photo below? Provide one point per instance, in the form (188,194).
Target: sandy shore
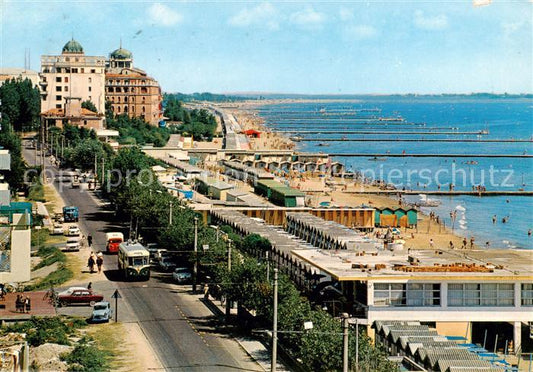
(331,190)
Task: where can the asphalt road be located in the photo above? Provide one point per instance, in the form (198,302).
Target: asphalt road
(183,332)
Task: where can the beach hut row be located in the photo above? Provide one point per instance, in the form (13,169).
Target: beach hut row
(245,173)
(287,166)
(428,349)
(212,187)
(304,275)
(279,193)
(396,217)
(327,234)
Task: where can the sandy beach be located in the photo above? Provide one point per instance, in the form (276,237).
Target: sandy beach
(331,190)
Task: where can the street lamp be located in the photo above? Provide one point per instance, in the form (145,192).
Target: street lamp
(195,271)
(228,307)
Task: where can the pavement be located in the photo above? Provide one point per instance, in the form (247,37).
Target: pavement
(40,306)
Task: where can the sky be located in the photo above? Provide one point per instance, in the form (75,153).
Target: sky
(326,47)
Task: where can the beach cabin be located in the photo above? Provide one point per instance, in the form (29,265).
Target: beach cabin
(322,167)
(273,166)
(261,164)
(387,218)
(336,167)
(298,166)
(310,167)
(213,187)
(412,216)
(264,187)
(248,163)
(401,217)
(287,197)
(285,166)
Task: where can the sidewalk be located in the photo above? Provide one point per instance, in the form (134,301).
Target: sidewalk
(254,348)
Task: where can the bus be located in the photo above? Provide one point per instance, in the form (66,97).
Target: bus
(71,214)
(134,261)
(112,241)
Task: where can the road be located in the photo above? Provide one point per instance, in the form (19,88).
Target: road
(183,332)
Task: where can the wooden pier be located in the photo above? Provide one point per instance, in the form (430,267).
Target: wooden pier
(493,140)
(408,155)
(443,192)
(430,133)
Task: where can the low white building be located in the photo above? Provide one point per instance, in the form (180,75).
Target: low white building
(452,289)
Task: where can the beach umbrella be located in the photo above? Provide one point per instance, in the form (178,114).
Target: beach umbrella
(460,208)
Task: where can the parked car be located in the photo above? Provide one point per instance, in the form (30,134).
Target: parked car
(167,263)
(57,229)
(73,230)
(102,312)
(182,275)
(78,295)
(72,245)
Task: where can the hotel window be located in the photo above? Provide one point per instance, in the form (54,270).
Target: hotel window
(58,70)
(90,80)
(423,294)
(82,70)
(389,294)
(58,106)
(527,294)
(481,294)
(66,88)
(58,98)
(93,71)
(66,79)
(58,79)
(132,108)
(74,70)
(90,89)
(58,88)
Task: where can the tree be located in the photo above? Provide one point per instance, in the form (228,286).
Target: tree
(11,141)
(21,104)
(89,106)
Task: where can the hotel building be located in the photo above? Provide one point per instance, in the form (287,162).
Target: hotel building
(130,90)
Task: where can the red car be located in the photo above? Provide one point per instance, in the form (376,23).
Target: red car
(78,295)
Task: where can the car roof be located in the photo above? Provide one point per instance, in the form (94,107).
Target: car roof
(106,303)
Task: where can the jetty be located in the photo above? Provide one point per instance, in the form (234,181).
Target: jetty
(493,140)
(454,133)
(444,192)
(407,155)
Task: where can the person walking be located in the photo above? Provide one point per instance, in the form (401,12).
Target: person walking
(19,304)
(90,263)
(90,240)
(431,244)
(27,304)
(99,261)
(472,242)
(464,243)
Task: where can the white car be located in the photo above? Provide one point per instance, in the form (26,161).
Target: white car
(72,245)
(57,229)
(73,230)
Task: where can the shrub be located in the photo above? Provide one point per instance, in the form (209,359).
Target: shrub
(86,358)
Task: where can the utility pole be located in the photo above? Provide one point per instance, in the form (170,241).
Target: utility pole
(169,214)
(228,307)
(274,362)
(103,173)
(62,146)
(218,229)
(356,344)
(345,318)
(195,271)
(95,165)
(268,267)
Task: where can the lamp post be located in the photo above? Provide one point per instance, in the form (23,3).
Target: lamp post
(345,317)
(273,363)
(228,307)
(170,214)
(195,270)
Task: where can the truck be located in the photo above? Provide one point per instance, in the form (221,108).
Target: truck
(113,240)
(71,214)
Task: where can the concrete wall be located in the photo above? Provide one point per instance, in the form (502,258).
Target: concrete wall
(20,251)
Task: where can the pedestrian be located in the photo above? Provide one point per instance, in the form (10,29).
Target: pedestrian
(90,263)
(494,219)
(27,304)
(431,243)
(487,245)
(464,243)
(18,303)
(99,261)
(90,240)
(451,245)
(529,232)
(472,242)
(90,285)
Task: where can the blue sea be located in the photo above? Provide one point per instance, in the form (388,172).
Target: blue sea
(453,117)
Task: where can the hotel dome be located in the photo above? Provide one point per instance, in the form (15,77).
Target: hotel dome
(72,46)
(121,53)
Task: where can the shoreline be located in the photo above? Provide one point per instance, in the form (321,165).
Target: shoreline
(333,192)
